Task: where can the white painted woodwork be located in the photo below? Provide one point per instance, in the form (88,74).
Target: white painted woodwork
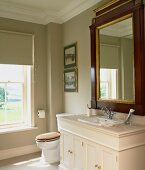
(108,159)
(79,153)
(18,151)
(101,148)
(92,161)
(67,150)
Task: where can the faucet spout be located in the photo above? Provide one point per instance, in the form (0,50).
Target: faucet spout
(127,121)
(108,112)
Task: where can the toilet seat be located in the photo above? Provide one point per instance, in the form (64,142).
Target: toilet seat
(48,137)
(45,140)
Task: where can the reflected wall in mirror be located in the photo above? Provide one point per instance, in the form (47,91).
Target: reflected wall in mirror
(116,60)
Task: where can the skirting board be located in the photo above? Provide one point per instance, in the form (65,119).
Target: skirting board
(13,152)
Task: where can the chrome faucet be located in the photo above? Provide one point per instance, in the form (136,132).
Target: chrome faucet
(127,121)
(108,112)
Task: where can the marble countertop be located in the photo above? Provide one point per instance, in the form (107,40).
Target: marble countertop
(116,130)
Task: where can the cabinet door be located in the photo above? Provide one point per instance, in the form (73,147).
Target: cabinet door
(91,157)
(79,153)
(67,151)
(100,158)
(108,159)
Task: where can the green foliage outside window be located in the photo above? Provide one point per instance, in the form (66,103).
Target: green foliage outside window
(2,94)
(103,90)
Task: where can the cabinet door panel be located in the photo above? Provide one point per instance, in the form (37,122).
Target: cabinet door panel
(67,150)
(108,160)
(78,154)
(91,157)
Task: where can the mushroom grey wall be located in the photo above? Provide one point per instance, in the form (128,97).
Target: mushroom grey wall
(77,30)
(54,73)
(24,138)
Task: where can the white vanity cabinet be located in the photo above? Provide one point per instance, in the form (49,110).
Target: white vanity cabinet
(100,158)
(88,147)
(66,150)
(72,152)
(80,154)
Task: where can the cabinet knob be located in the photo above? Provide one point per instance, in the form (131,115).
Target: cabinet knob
(96,166)
(69,151)
(99,167)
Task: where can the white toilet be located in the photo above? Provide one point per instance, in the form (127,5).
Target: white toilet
(49,144)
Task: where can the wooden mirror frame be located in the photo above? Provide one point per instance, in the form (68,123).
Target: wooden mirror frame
(109,12)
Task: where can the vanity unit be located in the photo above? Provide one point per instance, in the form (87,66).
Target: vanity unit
(88,147)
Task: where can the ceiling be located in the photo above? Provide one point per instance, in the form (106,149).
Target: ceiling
(44,11)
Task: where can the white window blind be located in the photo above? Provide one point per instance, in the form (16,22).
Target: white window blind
(16,48)
(110,56)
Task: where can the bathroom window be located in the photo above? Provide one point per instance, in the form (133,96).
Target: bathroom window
(15,95)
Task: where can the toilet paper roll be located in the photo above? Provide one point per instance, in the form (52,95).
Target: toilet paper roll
(41,113)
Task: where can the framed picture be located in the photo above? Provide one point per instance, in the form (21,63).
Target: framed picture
(70,80)
(70,54)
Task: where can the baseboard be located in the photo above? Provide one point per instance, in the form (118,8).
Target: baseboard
(13,152)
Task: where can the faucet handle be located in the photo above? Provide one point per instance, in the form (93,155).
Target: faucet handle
(103,108)
(110,110)
(131,111)
(113,112)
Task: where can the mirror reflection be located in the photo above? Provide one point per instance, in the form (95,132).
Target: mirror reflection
(116,59)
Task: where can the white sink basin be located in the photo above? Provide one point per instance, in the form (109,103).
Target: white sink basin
(100,121)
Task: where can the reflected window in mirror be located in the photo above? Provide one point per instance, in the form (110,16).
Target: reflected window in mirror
(116,60)
(108,83)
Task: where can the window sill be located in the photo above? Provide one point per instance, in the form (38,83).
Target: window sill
(16,129)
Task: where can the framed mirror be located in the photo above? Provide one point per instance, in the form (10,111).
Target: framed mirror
(117,56)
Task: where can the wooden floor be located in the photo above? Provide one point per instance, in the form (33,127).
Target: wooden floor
(27,162)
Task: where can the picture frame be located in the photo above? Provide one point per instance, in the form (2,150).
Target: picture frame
(70,55)
(70,80)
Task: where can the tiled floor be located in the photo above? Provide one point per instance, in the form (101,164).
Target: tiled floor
(28,162)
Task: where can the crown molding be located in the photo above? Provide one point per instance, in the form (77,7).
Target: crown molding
(76,8)
(21,13)
(44,17)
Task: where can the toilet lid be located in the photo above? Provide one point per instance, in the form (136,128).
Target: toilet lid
(48,136)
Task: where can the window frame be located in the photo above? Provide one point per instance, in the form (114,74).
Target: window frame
(27,96)
(108,81)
